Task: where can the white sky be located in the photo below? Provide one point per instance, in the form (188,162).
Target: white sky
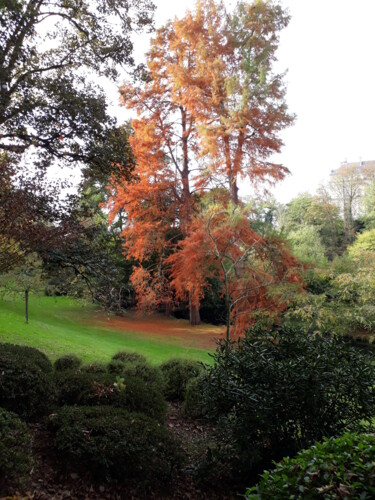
(329,52)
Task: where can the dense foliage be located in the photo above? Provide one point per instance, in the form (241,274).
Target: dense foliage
(15,447)
(114,444)
(25,387)
(151,375)
(177,374)
(337,468)
(67,362)
(46,102)
(129,357)
(30,354)
(93,389)
(275,393)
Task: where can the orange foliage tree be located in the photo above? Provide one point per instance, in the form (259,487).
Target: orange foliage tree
(222,243)
(210,110)
(237,101)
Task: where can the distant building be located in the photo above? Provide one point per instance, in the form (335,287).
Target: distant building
(360,165)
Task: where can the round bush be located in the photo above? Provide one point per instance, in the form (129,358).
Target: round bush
(67,362)
(195,405)
(116,366)
(129,357)
(24,387)
(151,375)
(94,368)
(337,468)
(114,444)
(92,389)
(15,447)
(177,373)
(277,393)
(28,353)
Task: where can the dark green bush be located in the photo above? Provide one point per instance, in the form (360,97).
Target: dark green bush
(177,374)
(92,389)
(151,375)
(129,357)
(114,444)
(29,353)
(116,366)
(195,404)
(15,447)
(25,388)
(67,362)
(273,394)
(94,368)
(337,468)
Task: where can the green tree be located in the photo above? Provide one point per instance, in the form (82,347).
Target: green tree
(307,245)
(23,279)
(296,211)
(47,101)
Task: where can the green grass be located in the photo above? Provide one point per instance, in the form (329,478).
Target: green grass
(56,326)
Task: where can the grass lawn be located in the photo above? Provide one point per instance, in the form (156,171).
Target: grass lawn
(61,325)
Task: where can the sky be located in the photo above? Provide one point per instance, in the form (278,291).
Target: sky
(329,52)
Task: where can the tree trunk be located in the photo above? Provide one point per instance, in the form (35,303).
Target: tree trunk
(27,305)
(195,317)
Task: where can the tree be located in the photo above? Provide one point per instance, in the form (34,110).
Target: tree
(199,128)
(47,101)
(31,216)
(296,211)
(307,245)
(23,279)
(251,269)
(347,185)
(91,262)
(324,214)
(368,204)
(237,101)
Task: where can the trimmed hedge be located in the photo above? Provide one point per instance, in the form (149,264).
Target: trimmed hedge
(129,357)
(67,362)
(25,387)
(151,375)
(92,389)
(337,468)
(177,374)
(94,368)
(30,354)
(15,447)
(114,444)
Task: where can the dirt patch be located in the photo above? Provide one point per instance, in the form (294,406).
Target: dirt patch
(156,326)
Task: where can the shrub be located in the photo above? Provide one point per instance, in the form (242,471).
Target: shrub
(337,468)
(67,362)
(24,387)
(15,447)
(151,375)
(129,357)
(177,374)
(28,353)
(114,444)
(94,368)
(195,404)
(116,366)
(92,389)
(276,393)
